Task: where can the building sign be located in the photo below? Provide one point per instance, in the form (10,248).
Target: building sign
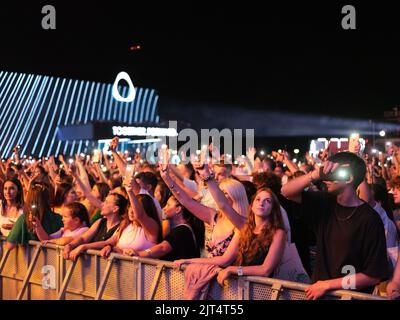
(143,131)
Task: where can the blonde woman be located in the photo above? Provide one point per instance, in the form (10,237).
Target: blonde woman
(232,203)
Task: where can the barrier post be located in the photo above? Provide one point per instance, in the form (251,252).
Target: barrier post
(63,289)
(139,281)
(156,280)
(2,264)
(276,290)
(29,273)
(243,289)
(97,272)
(103,283)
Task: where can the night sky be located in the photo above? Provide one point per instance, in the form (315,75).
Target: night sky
(285,57)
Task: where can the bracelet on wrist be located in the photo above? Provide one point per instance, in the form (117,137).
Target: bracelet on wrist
(149,252)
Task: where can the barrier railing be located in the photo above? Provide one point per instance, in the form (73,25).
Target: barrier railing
(39,272)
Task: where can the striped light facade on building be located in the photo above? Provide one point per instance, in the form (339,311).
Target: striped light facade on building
(33,106)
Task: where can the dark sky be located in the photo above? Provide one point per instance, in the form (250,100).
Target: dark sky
(282,57)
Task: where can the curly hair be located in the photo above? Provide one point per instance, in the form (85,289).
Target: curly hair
(248,245)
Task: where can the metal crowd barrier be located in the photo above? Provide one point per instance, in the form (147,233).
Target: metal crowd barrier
(39,272)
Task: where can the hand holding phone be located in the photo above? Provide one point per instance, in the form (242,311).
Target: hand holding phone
(341,173)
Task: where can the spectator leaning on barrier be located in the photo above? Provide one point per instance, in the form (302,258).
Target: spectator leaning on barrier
(11,208)
(76,221)
(112,211)
(37,207)
(349,232)
(139,230)
(258,248)
(185,240)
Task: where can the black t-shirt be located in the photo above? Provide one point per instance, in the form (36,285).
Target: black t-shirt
(345,236)
(182,242)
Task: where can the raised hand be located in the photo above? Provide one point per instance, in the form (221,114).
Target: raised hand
(251,152)
(114,144)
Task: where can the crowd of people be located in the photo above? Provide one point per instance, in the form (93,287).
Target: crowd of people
(216,218)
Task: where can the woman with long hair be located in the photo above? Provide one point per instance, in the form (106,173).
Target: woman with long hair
(184,241)
(231,199)
(37,208)
(258,248)
(65,194)
(11,206)
(140,228)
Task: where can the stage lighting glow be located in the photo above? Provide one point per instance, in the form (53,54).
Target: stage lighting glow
(262,152)
(132,91)
(296,151)
(388,143)
(382,133)
(374,151)
(294,160)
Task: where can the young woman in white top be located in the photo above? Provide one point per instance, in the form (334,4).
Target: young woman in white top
(12,205)
(139,230)
(75,218)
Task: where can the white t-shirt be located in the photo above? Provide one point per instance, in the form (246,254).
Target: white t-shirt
(68,233)
(156,203)
(6,220)
(134,237)
(390,227)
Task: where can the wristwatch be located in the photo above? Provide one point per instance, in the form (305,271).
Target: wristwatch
(240,271)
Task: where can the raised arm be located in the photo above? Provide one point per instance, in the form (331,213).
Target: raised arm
(87,192)
(190,192)
(289,163)
(82,172)
(200,211)
(294,188)
(219,197)
(149,225)
(118,160)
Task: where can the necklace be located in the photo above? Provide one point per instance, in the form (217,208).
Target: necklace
(348,217)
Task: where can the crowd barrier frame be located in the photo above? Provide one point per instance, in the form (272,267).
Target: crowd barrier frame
(127,278)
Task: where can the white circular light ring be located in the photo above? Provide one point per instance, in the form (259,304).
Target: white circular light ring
(132,91)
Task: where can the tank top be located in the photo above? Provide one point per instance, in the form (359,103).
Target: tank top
(134,237)
(259,257)
(102,233)
(216,248)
